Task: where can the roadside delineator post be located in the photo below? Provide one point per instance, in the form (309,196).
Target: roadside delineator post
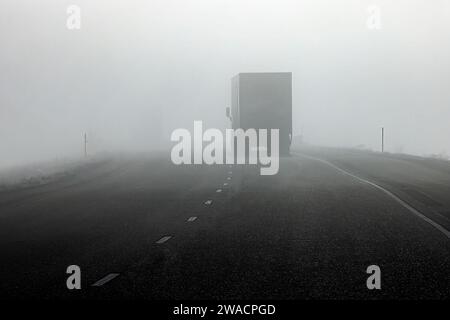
(85,145)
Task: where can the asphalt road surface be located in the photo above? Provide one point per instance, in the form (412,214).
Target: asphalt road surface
(226,232)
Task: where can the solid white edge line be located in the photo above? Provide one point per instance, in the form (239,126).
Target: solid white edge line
(403,203)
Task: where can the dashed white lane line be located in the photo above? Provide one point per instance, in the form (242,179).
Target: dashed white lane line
(225,184)
(163,239)
(230,172)
(219,190)
(400,201)
(229,178)
(208,202)
(106,279)
(191,219)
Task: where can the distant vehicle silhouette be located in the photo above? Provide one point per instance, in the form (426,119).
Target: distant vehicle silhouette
(263,101)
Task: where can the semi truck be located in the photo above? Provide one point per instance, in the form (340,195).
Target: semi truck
(263,100)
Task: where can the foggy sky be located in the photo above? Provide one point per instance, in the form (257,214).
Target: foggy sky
(139,69)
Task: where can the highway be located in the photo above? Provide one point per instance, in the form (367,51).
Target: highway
(226,232)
